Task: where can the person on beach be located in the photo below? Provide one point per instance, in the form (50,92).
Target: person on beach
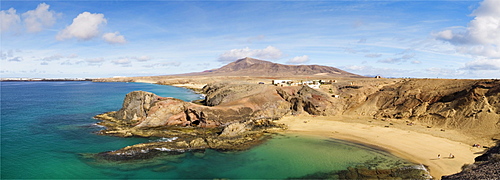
(439,156)
(452,156)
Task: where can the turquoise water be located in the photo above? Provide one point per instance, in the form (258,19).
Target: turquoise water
(46,127)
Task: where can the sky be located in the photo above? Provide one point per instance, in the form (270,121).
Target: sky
(390,38)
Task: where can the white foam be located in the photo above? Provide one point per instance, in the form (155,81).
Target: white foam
(99,126)
(163,149)
(163,139)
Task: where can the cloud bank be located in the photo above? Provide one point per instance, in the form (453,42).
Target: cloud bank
(480,39)
(298,60)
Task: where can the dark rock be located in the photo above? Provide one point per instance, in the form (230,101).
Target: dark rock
(486,166)
(364,173)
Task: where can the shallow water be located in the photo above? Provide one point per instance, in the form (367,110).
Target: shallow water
(47,127)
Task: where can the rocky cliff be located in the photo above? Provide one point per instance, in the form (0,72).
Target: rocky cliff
(470,106)
(234,116)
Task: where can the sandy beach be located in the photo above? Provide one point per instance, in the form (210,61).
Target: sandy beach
(416,143)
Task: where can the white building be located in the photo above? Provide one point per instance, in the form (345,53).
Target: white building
(282,82)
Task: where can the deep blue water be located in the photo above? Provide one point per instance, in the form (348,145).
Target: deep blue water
(47,128)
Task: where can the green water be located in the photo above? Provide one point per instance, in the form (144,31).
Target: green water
(284,156)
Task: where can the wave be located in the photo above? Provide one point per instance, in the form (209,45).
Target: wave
(99,126)
(164,139)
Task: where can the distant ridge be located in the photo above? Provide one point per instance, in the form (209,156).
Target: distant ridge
(260,68)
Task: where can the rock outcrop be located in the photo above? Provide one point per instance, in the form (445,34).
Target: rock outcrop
(487,166)
(470,106)
(234,117)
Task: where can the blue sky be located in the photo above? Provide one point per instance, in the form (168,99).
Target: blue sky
(421,39)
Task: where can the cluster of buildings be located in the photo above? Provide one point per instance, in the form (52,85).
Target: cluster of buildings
(311,83)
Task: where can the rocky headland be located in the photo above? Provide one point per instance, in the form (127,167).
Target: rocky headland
(232,117)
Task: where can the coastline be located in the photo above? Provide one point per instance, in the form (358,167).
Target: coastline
(417,147)
(418,143)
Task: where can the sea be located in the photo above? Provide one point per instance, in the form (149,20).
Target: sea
(48,132)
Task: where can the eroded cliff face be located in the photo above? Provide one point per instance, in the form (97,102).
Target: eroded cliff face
(471,106)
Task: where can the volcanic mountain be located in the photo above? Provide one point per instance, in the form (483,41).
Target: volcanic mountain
(254,67)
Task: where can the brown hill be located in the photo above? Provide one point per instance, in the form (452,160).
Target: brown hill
(254,67)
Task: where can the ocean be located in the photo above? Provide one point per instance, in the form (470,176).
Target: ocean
(47,132)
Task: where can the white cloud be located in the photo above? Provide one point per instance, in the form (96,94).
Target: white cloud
(41,17)
(492,51)
(16,59)
(443,72)
(373,55)
(8,54)
(142,58)
(353,50)
(269,52)
(481,37)
(9,20)
(122,62)
(173,63)
(114,38)
(84,27)
(94,61)
(298,60)
(445,35)
(53,57)
(484,64)
(403,58)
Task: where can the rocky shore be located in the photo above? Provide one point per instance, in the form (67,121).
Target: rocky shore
(365,173)
(486,166)
(232,117)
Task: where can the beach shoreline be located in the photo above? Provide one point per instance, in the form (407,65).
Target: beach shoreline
(413,145)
